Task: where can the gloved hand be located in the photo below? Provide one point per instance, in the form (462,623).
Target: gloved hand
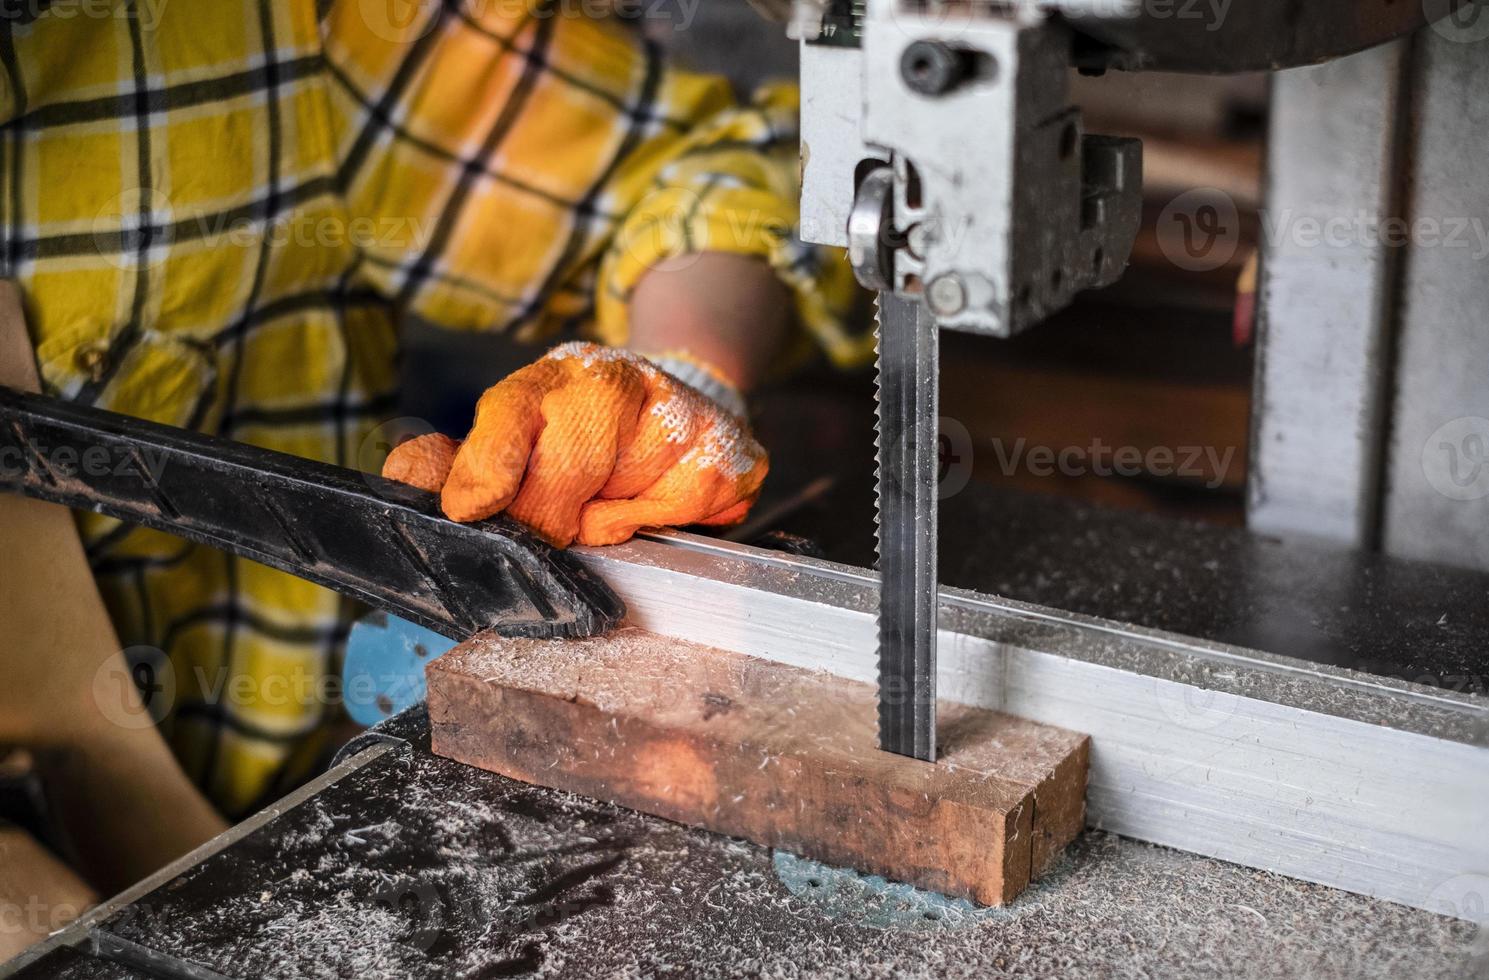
(591,443)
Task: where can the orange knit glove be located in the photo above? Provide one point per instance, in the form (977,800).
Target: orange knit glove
(591,443)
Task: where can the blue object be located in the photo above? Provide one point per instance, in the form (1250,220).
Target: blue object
(383,671)
(871,901)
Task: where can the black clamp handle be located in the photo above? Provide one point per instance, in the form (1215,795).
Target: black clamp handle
(382,542)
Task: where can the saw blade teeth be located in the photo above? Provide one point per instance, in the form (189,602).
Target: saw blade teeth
(879,665)
(905,525)
(878,439)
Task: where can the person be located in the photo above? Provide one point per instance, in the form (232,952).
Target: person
(217,214)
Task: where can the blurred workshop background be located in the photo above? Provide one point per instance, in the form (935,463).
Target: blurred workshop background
(1160,361)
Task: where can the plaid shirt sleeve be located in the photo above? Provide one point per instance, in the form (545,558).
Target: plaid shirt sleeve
(214,210)
(529,165)
(168,208)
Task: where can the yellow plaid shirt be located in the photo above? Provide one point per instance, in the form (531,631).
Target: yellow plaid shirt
(216,209)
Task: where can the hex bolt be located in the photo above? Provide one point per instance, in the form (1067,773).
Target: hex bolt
(931,67)
(946,295)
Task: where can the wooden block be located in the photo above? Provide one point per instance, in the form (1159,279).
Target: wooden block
(779,755)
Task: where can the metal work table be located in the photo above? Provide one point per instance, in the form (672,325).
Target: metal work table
(401,864)
(398,863)
(1310,600)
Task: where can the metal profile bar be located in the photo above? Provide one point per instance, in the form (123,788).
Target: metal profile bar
(1363,783)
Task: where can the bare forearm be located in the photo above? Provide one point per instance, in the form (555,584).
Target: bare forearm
(124,801)
(38,893)
(729,310)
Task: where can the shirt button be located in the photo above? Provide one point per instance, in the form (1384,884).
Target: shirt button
(93,360)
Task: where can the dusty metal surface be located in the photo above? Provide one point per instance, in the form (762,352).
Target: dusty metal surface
(1310,602)
(414,866)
